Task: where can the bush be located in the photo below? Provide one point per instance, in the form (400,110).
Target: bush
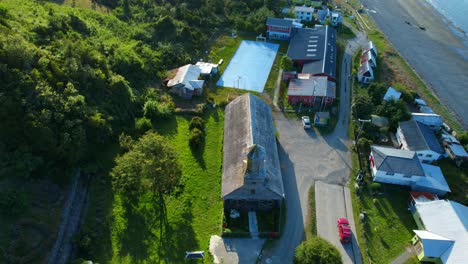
(143,124)
(375,186)
(197,122)
(13,202)
(197,137)
(316,250)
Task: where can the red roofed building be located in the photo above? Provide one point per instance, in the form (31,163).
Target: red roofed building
(311,90)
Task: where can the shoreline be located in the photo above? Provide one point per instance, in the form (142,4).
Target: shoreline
(450,22)
(439,56)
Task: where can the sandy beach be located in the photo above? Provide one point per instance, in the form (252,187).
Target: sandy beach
(430,46)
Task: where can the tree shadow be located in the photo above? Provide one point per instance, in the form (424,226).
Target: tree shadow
(197,153)
(137,233)
(167,126)
(179,238)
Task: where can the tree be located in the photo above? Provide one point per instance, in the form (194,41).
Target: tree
(377,91)
(362,106)
(316,250)
(150,164)
(286,63)
(395,111)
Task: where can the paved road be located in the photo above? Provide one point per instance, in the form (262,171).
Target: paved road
(307,157)
(436,54)
(331,204)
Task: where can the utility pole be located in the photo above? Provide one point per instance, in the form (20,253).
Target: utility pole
(356,138)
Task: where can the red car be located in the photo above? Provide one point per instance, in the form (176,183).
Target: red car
(344,230)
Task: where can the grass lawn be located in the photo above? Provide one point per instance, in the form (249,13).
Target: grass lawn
(270,84)
(311,225)
(388,227)
(131,232)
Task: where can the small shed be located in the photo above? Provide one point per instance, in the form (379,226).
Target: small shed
(392,94)
(321,118)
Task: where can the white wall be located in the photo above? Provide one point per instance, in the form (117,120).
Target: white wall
(302,15)
(397,178)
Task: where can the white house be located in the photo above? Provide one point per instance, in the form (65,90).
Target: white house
(402,167)
(392,94)
(304,13)
(336,18)
(207,69)
(442,236)
(433,121)
(365,73)
(369,46)
(368,57)
(184,81)
(418,137)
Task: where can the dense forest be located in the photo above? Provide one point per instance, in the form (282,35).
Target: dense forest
(73,79)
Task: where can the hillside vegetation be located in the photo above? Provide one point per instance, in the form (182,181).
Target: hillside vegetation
(73,79)
(75,75)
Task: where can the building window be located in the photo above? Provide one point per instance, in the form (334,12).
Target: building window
(390,173)
(254,183)
(252,191)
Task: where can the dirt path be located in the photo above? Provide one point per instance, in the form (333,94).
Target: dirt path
(69,225)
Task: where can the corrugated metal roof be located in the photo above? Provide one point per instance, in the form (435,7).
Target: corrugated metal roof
(364,68)
(392,94)
(186,75)
(248,122)
(314,86)
(434,179)
(303,9)
(397,161)
(279,22)
(429,119)
(449,220)
(419,136)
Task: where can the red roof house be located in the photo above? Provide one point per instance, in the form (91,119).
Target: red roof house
(311,90)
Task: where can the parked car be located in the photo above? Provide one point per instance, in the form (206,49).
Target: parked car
(306,122)
(344,230)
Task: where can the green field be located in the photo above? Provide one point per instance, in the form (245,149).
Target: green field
(131,233)
(388,227)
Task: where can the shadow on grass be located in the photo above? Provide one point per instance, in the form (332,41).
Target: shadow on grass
(180,237)
(166,127)
(197,153)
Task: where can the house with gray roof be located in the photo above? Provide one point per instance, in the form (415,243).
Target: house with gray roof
(251,179)
(402,167)
(442,235)
(315,50)
(304,13)
(184,81)
(415,136)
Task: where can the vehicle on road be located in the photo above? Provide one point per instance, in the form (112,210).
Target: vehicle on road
(306,122)
(344,230)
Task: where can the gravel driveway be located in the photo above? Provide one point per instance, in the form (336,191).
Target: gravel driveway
(307,157)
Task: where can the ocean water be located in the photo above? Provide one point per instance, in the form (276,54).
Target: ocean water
(455,11)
